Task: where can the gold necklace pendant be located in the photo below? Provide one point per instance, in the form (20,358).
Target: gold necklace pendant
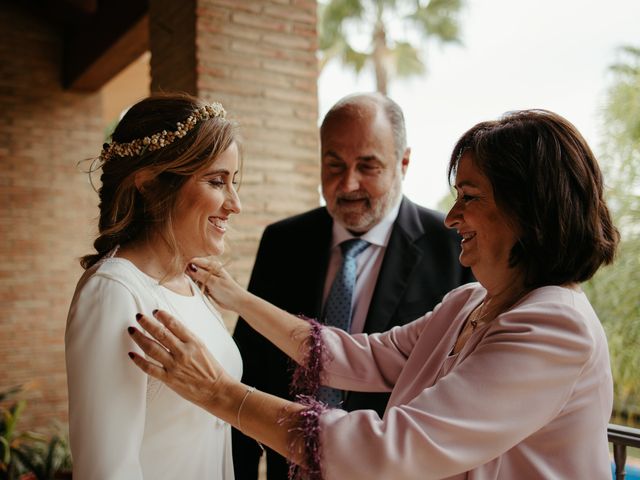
(477,315)
(500,307)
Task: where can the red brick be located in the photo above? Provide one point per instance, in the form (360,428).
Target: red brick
(45,132)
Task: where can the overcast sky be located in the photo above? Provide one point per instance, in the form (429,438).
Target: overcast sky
(551,54)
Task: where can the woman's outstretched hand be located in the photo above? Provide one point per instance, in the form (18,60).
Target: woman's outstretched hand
(284,330)
(180,359)
(224,290)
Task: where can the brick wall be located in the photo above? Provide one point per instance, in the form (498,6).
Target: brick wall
(258,59)
(47,209)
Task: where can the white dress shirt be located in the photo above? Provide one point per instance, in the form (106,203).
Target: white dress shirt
(368,264)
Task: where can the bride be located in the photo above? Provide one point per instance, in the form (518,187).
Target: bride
(168,190)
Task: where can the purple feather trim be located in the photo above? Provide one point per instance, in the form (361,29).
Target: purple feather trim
(306,376)
(305,426)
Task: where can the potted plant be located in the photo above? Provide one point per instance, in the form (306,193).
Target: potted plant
(29,455)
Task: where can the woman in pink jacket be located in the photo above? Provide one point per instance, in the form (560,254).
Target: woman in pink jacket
(506,378)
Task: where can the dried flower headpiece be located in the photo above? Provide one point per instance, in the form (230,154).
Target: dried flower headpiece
(163,138)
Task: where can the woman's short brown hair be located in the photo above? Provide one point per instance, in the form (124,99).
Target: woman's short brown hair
(545,177)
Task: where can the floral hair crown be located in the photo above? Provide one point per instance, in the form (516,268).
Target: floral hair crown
(161,139)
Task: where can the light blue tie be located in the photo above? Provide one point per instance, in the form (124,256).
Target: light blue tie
(337,309)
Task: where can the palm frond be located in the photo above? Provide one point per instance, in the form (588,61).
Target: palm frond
(332,16)
(348,55)
(630,66)
(339,19)
(439,19)
(407,60)
(354,58)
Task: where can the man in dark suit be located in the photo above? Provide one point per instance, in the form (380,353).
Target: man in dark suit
(410,263)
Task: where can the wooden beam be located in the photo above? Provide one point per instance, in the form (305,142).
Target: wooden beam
(101,48)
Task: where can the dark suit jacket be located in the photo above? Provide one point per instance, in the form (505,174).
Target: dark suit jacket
(420,265)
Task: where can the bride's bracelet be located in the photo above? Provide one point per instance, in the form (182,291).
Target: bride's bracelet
(249,391)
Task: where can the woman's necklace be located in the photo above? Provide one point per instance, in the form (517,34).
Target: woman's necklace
(482,311)
(482,314)
(479,316)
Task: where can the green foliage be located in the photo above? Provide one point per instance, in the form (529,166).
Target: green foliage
(332,16)
(45,459)
(108,130)
(614,295)
(28,453)
(438,18)
(615,290)
(352,57)
(407,60)
(387,30)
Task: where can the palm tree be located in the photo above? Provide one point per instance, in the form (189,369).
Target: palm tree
(387,28)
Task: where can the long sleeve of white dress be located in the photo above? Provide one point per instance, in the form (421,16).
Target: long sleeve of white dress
(123,424)
(106,395)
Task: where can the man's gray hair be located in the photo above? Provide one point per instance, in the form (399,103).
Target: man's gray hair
(391,109)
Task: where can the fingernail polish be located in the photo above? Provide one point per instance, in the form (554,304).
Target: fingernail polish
(130,355)
(138,316)
(131,330)
(193,268)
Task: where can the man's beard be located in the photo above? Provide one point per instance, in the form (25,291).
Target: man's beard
(362,217)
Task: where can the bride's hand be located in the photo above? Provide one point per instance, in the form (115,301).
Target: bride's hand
(224,290)
(179,358)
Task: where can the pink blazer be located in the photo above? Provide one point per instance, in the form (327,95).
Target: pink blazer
(528,397)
